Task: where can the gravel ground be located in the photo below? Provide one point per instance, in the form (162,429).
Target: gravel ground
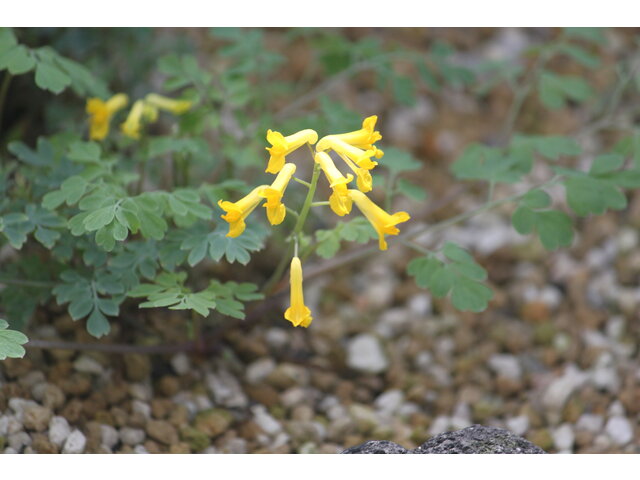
(380,361)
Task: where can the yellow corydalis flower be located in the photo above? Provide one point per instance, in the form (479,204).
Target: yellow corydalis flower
(177,107)
(282,146)
(339,201)
(237,212)
(276,210)
(365,137)
(100,113)
(382,222)
(133,123)
(362,158)
(298,313)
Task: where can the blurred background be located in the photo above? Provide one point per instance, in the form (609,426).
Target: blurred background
(554,358)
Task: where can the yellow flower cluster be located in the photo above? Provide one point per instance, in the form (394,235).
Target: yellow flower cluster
(358,152)
(100,113)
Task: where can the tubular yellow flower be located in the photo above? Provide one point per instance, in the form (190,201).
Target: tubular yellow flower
(366,136)
(276,210)
(133,123)
(177,107)
(237,212)
(363,177)
(282,146)
(298,313)
(100,113)
(382,222)
(362,158)
(339,201)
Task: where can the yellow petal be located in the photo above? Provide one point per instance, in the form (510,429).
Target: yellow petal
(177,107)
(282,146)
(298,313)
(382,222)
(237,212)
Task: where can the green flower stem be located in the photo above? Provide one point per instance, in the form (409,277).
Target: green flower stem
(319,204)
(4,88)
(306,184)
(292,212)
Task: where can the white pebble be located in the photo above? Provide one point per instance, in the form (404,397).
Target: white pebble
(59,430)
(86,364)
(389,402)
(265,421)
(75,443)
(619,430)
(140,391)
(142,408)
(140,449)
(590,422)
(364,353)
(259,369)
(420,304)
(506,366)
(440,425)
(109,436)
(132,436)
(518,425)
(181,363)
(226,389)
(563,437)
(19,440)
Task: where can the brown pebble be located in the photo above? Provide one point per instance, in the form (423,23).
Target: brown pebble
(16,367)
(137,420)
(263,394)
(116,392)
(77,384)
(41,444)
(120,417)
(153,447)
(535,312)
(137,367)
(93,432)
(36,418)
(162,431)
(161,407)
(126,449)
(53,396)
(72,411)
(213,422)
(249,430)
(169,385)
(180,448)
(179,416)
(60,372)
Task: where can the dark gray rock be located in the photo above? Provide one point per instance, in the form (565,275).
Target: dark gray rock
(474,439)
(478,439)
(377,446)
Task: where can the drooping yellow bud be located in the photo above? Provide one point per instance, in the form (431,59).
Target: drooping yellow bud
(133,123)
(276,211)
(177,107)
(237,212)
(282,146)
(363,177)
(298,313)
(382,222)
(362,158)
(101,112)
(339,201)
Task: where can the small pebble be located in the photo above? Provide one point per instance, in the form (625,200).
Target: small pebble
(620,430)
(365,353)
(75,443)
(86,364)
(563,437)
(109,436)
(180,363)
(132,436)
(59,430)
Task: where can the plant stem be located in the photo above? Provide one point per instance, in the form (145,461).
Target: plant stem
(308,201)
(26,283)
(306,184)
(319,204)
(4,88)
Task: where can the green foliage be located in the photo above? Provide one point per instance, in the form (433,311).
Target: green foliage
(556,91)
(169,290)
(358,230)
(11,342)
(53,72)
(458,275)
(599,190)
